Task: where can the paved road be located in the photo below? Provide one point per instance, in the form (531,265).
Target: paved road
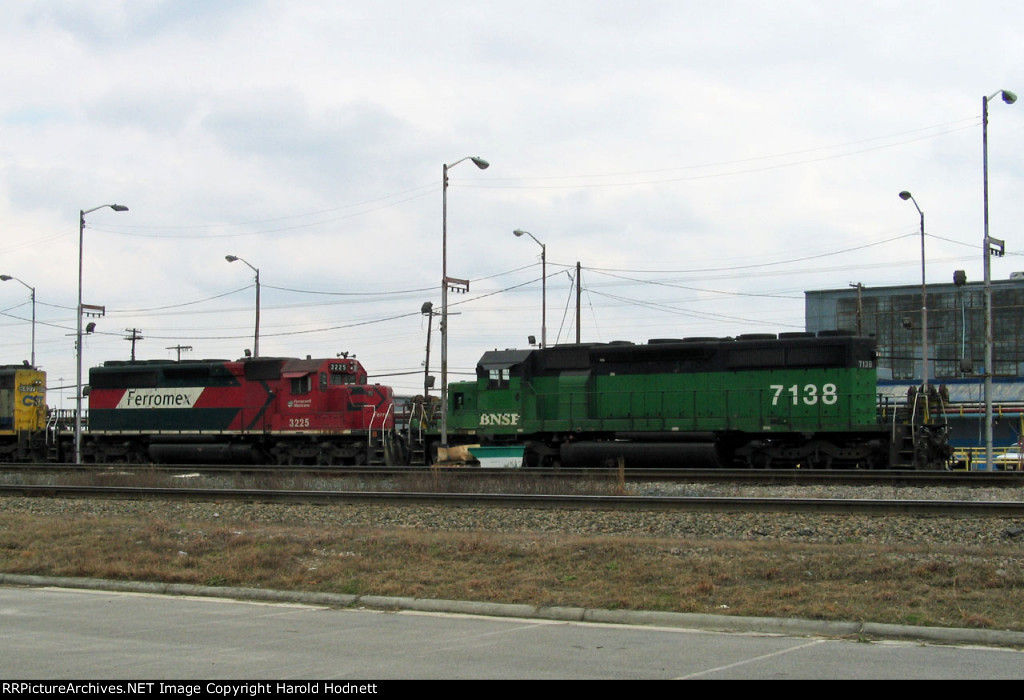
(62,633)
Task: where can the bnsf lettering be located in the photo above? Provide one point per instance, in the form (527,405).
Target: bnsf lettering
(499,419)
(160,398)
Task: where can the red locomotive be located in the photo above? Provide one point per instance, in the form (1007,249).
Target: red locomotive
(258,410)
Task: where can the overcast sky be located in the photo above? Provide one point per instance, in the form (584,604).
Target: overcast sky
(704,162)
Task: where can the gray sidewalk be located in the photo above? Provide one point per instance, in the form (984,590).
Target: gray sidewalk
(717,623)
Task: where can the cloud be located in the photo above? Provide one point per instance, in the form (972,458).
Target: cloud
(704,162)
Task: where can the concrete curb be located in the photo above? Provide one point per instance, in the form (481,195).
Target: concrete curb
(716,623)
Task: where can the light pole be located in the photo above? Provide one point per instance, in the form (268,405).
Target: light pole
(256,339)
(543,286)
(427,310)
(445,281)
(7,278)
(78,333)
(989,246)
(904,195)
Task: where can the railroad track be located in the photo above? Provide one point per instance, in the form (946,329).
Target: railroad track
(739,476)
(1013,509)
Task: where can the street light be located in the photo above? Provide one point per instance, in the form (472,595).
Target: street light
(427,310)
(543,286)
(989,246)
(904,195)
(7,278)
(78,333)
(256,339)
(445,281)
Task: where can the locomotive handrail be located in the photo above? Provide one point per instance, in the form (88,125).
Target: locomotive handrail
(420,419)
(64,418)
(383,442)
(51,428)
(383,416)
(415,417)
(885,400)
(417,422)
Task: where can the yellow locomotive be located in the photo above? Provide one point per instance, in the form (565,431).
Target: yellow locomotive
(22,413)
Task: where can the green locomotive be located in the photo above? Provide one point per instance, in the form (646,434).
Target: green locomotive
(793,400)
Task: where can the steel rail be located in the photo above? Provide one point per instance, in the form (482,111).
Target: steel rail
(844,506)
(744,476)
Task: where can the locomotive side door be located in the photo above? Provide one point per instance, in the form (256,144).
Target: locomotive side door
(297,405)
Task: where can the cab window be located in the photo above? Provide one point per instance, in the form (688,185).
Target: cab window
(498,378)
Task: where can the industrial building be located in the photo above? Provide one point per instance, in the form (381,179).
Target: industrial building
(955,354)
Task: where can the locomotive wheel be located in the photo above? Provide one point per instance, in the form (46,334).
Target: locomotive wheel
(759,461)
(819,461)
(533,460)
(324,460)
(279,453)
(537,454)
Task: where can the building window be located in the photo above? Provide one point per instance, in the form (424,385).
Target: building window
(956,329)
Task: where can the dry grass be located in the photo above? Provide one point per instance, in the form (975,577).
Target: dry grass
(921,585)
(925,584)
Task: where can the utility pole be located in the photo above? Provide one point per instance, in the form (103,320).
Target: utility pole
(860,307)
(134,337)
(428,310)
(578,287)
(179,348)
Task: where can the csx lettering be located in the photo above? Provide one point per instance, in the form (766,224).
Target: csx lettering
(499,419)
(29,400)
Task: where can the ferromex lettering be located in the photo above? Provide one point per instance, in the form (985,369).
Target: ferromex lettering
(181,397)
